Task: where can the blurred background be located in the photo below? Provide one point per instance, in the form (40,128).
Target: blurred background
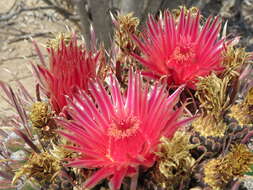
(43,19)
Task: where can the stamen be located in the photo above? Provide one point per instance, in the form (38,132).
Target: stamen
(124,128)
(183,54)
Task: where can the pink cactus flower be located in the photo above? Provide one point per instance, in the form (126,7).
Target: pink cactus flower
(117,133)
(183,50)
(70,66)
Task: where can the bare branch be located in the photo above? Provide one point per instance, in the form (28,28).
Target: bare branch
(65,13)
(101,20)
(116,3)
(170,4)
(152,7)
(134,6)
(199,4)
(2,61)
(18,12)
(84,19)
(28,36)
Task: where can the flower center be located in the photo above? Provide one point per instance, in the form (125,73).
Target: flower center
(184,53)
(123,128)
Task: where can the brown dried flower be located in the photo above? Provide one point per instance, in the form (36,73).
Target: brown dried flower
(209,126)
(125,27)
(221,171)
(175,161)
(241,113)
(212,94)
(192,10)
(233,59)
(40,114)
(56,42)
(249,97)
(42,167)
(41,118)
